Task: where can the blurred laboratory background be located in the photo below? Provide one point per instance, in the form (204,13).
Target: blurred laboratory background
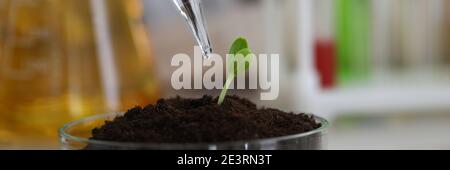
(379,70)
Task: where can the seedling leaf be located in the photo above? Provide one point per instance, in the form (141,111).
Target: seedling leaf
(239,44)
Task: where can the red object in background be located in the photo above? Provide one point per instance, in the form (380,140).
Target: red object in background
(325,62)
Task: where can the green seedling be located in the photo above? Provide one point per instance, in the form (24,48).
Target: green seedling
(239,52)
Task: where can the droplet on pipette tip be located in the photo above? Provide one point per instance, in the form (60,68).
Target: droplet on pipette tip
(207,53)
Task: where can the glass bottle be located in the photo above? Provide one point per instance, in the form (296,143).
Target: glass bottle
(64,60)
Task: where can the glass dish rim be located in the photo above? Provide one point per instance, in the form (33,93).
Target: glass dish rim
(64,135)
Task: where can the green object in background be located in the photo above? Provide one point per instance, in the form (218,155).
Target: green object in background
(352,38)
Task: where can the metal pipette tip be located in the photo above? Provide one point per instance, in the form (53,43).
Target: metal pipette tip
(192,12)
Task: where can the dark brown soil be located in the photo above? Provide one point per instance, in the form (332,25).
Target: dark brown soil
(201,120)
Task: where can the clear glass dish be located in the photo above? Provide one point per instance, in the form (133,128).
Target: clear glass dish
(75,136)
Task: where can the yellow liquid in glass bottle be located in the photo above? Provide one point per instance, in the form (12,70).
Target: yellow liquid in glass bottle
(65,60)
